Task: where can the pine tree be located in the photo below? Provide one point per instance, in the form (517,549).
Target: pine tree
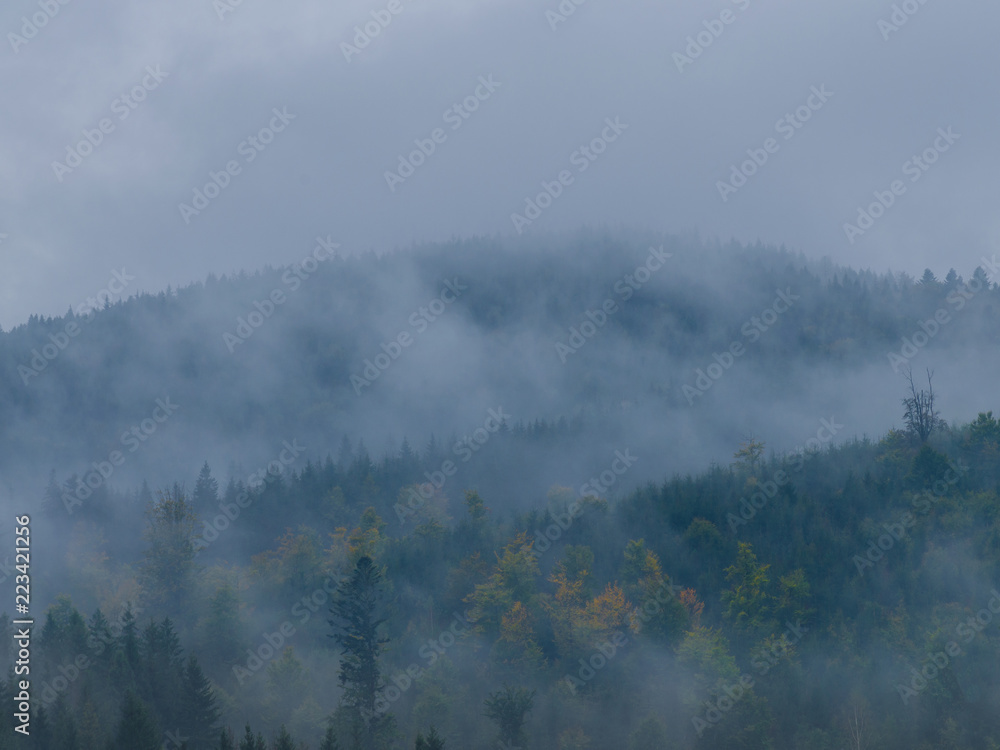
(99,638)
(41,730)
(64,732)
(226,740)
(283,741)
(432,742)
(136,729)
(358,616)
(206,491)
(200,707)
(329,740)
(224,628)
(252,742)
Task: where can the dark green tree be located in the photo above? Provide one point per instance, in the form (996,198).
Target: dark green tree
(200,707)
(206,492)
(358,617)
(283,740)
(508,708)
(329,739)
(226,740)
(433,741)
(251,741)
(137,729)
(168,563)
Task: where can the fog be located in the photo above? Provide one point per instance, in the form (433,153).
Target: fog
(294,290)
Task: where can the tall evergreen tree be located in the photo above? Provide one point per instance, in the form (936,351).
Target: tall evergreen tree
(200,706)
(251,741)
(137,729)
(433,741)
(226,740)
(329,739)
(358,616)
(206,491)
(283,740)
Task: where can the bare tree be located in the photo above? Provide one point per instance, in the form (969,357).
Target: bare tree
(921,419)
(857,725)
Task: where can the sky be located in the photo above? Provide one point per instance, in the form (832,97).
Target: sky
(630,113)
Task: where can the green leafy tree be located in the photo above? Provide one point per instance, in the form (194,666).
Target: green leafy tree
(747,602)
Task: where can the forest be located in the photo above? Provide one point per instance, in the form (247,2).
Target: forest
(223,562)
(827,598)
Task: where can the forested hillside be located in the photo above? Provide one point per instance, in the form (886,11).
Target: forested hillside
(632,333)
(606,491)
(837,597)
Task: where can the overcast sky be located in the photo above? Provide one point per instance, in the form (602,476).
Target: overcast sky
(218,81)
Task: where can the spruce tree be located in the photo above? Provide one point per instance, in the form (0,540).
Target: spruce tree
(200,707)
(358,615)
(206,492)
(136,729)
